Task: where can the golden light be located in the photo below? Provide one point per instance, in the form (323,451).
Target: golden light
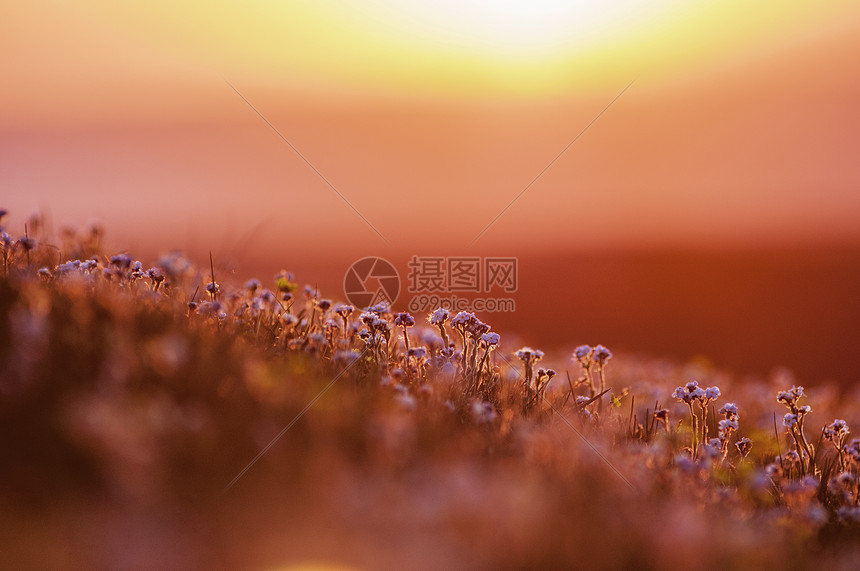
(528,28)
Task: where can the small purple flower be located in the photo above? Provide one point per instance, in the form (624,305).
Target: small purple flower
(729,409)
(582,352)
(404,319)
(463,319)
(439,316)
(417,352)
(601,354)
(490,339)
(344,310)
(836,429)
(528,354)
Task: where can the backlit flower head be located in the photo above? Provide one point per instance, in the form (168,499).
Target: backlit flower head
(836,429)
(404,319)
(712,393)
(463,319)
(344,310)
(417,352)
(730,410)
(490,339)
(601,354)
(582,352)
(439,316)
(529,354)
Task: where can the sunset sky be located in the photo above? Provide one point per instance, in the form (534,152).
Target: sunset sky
(713,126)
(741,125)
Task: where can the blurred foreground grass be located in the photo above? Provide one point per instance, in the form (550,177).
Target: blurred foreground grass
(134,403)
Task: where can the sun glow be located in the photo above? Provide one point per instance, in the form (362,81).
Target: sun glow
(529,27)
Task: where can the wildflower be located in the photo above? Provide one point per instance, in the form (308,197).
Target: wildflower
(439,316)
(404,319)
(712,393)
(45,273)
(69,266)
(318,338)
(662,414)
(601,354)
(582,352)
(156,276)
(790,396)
(528,354)
(27,243)
(836,429)
(690,392)
(727,425)
(208,308)
(380,308)
(529,357)
(267,297)
(774,469)
(429,337)
(462,319)
(848,514)
(853,450)
(483,412)
(793,420)
(382,326)
(681,394)
(417,352)
(490,338)
(345,357)
(324,304)
(405,401)
(213,288)
(730,410)
(252,285)
(122,261)
(344,310)
(744,445)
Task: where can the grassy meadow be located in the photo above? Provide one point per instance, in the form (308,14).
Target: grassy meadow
(154,415)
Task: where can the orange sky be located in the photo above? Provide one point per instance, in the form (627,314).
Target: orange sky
(741,126)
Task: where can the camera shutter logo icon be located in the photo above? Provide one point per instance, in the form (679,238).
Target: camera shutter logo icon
(371,280)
